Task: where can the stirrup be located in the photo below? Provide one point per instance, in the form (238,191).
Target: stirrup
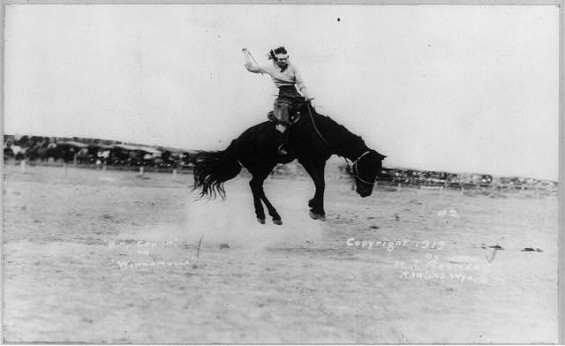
(282,150)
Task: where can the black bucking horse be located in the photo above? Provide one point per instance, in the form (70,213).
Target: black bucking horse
(312,139)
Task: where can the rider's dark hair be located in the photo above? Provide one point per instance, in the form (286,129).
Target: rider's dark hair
(280,50)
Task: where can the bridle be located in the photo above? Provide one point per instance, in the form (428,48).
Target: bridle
(356,172)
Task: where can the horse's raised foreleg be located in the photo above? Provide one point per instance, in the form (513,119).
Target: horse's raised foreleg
(316,171)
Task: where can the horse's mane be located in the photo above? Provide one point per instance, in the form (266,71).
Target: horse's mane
(340,137)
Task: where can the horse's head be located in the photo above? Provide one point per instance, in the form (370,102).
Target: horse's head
(365,170)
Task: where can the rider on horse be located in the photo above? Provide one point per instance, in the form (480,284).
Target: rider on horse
(287,79)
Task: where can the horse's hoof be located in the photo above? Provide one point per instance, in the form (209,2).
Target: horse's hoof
(313,215)
(261,221)
(277,222)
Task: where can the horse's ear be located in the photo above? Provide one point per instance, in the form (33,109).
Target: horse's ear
(380,156)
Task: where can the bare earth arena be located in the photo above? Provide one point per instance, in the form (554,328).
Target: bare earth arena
(117,257)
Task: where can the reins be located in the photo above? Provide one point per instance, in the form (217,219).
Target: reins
(318,131)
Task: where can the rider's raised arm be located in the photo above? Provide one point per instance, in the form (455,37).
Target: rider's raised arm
(253,68)
(250,65)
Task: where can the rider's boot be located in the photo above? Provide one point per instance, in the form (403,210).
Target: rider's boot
(281,127)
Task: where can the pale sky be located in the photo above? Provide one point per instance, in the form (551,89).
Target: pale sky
(455,88)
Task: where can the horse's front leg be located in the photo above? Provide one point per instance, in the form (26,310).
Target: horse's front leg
(316,171)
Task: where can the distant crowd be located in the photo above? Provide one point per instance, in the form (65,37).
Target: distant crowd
(103,152)
(73,150)
(464,180)
(438,179)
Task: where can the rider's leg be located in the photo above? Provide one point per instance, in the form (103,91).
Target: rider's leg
(284,124)
(285,118)
(281,112)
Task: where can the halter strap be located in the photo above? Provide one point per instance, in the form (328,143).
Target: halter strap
(356,172)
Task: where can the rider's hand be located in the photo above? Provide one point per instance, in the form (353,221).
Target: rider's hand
(244,50)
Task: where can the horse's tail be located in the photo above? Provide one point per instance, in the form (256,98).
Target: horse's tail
(212,169)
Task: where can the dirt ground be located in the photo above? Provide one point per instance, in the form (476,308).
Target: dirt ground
(113,257)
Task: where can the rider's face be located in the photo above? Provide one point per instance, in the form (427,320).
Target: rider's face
(282,59)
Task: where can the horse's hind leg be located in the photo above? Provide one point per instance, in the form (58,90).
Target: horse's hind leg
(258,185)
(272,211)
(256,188)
